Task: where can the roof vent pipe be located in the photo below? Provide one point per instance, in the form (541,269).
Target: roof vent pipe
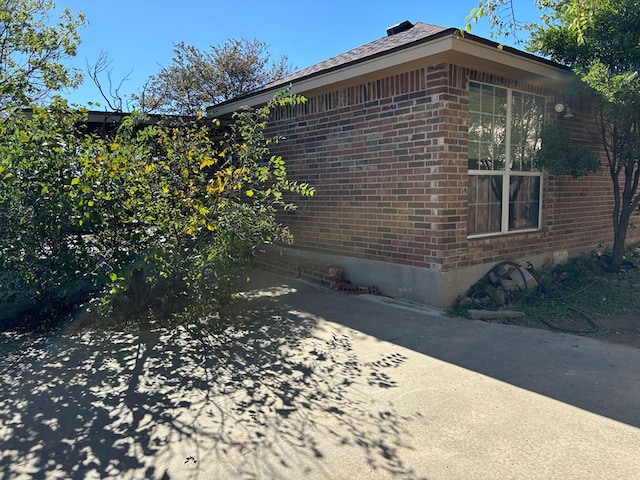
(399,27)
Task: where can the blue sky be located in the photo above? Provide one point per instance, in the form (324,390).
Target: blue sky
(138,35)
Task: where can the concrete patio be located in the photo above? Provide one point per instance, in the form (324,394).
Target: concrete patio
(315,384)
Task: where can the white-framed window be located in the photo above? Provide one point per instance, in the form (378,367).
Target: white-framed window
(505,186)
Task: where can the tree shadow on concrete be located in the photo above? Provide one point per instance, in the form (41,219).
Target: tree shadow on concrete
(263,391)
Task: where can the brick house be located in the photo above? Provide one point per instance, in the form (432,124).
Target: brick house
(420,146)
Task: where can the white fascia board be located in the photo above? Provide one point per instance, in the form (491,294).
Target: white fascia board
(449,43)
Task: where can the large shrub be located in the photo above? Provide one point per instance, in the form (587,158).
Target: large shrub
(158,212)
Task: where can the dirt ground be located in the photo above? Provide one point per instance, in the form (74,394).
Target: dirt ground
(621,329)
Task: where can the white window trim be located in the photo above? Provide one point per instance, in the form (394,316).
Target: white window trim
(508,172)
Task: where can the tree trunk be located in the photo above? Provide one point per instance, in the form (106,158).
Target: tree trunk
(621,225)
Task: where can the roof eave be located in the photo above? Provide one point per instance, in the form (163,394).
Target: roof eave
(496,53)
(446,42)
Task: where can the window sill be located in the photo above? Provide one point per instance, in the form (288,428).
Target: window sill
(503,234)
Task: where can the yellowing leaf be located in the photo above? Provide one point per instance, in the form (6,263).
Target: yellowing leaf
(249,193)
(207,162)
(75,181)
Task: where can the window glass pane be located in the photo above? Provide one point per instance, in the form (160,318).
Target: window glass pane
(487,127)
(473,162)
(474,97)
(486,98)
(475,131)
(500,95)
(499,142)
(486,138)
(527,118)
(485,204)
(524,202)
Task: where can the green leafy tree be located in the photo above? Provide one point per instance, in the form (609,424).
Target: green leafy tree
(159,214)
(601,44)
(503,17)
(33,52)
(560,155)
(600,40)
(43,255)
(197,79)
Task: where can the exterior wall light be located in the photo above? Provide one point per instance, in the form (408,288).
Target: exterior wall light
(561,107)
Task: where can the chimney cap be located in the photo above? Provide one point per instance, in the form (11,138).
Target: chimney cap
(399,27)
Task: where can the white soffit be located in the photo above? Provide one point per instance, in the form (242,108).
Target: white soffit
(509,59)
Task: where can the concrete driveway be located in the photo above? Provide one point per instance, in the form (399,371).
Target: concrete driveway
(315,384)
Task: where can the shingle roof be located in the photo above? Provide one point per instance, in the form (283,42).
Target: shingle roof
(418,32)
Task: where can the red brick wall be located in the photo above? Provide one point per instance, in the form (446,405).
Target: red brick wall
(388,159)
(298,267)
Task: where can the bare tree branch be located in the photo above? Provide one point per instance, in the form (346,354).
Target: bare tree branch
(112,96)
